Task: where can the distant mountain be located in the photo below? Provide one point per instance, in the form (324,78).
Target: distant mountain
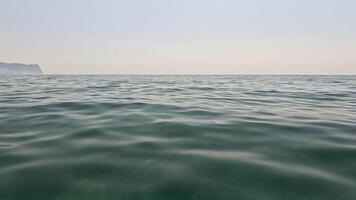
(19,69)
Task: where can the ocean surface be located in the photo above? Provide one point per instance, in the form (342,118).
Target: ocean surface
(177,137)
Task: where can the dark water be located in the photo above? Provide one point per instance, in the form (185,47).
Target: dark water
(178,137)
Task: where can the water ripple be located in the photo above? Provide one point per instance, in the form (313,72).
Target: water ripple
(177,137)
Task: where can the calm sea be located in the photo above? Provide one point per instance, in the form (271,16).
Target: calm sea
(178,137)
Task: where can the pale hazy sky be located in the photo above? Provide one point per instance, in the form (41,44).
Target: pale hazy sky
(181,36)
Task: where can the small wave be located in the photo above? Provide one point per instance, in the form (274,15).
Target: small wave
(177,137)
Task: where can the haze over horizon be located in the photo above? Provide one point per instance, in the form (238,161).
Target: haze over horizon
(180,36)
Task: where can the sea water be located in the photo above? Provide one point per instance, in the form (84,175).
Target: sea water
(177,137)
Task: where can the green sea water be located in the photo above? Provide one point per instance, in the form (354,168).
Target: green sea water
(177,137)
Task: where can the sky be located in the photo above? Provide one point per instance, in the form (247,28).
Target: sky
(180,36)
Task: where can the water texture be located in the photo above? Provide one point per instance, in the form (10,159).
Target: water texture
(177,137)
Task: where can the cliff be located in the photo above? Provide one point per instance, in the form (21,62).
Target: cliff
(19,69)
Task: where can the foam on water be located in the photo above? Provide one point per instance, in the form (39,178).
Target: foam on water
(177,137)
